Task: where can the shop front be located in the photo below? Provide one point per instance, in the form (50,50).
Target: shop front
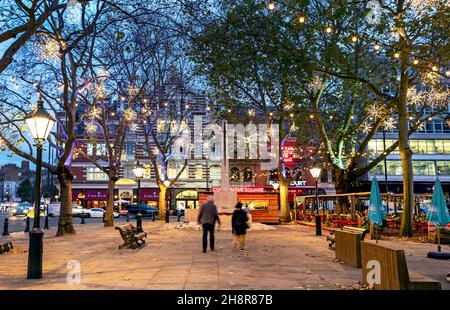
(149,196)
(90,198)
(262,201)
(187,199)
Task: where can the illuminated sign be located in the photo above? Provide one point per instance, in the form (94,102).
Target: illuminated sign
(242,189)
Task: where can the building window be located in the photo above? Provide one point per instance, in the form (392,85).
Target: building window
(214,173)
(443,167)
(234,176)
(248,174)
(424,167)
(129,148)
(95,174)
(324,176)
(101,149)
(90,149)
(198,171)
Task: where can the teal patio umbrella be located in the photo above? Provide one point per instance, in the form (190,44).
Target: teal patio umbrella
(376,214)
(438,213)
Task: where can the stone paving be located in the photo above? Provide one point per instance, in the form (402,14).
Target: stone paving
(276,257)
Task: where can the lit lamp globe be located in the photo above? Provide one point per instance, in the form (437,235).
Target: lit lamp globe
(166,183)
(275,185)
(315,172)
(39,122)
(138,171)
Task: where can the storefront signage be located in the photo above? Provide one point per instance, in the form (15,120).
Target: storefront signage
(243,189)
(293,183)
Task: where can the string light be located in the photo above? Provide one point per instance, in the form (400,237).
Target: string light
(434,68)
(271,6)
(396,55)
(416,62)
(354,38)
(447,73)
(329,29)
(301,19)
(376,47)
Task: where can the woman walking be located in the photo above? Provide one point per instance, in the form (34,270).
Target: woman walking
(239,225)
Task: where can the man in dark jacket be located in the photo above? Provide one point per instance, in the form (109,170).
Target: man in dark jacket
(207,216)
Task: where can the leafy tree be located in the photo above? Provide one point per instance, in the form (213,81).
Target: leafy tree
(25,190)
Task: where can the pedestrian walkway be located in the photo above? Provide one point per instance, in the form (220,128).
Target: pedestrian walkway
(283,257)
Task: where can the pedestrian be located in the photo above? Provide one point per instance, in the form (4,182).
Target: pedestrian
(239,225)
(207,217)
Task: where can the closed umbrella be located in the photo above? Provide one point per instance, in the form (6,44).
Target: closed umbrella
(438,213)
(376,214)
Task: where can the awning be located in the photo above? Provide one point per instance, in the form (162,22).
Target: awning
(149,194)
(96,194)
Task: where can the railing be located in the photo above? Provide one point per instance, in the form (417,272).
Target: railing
(356,212)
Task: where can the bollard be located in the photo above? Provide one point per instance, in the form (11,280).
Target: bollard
(167,215)
(5,227)
(27,227)
(46,222)
(103,219)
(128,217)
(82,217)
(178,215)
(153,216)
(318,225)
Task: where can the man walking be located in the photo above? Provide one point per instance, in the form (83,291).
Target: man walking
(207,217)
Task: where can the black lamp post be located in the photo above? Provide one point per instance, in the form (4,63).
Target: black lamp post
(40,124)
(315,172)
(167,184)
(138,171)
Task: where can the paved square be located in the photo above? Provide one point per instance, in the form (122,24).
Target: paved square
(277,257)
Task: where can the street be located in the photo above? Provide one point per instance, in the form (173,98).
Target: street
(18,223)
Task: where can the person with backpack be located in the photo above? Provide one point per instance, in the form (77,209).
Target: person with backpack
(239,225)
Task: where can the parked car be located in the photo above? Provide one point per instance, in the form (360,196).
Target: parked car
(77,210)
(146,210)
(97,212)
(22,209)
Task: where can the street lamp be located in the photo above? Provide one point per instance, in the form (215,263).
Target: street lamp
(167,184)
(40,124)
(275,185)
(138,171)
(315,172)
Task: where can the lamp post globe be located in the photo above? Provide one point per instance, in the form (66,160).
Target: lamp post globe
(315,172)
(275,185)
(40,124)
(138,171)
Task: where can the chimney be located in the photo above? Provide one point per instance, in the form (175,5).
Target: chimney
(25,166)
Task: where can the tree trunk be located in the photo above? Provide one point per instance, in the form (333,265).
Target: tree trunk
(109,218)
(65,225)
(405,150)
(284,199)
(162,202)
(343,185)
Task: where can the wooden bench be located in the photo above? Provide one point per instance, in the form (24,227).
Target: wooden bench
(393,270)
(131,237)
(331,239)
